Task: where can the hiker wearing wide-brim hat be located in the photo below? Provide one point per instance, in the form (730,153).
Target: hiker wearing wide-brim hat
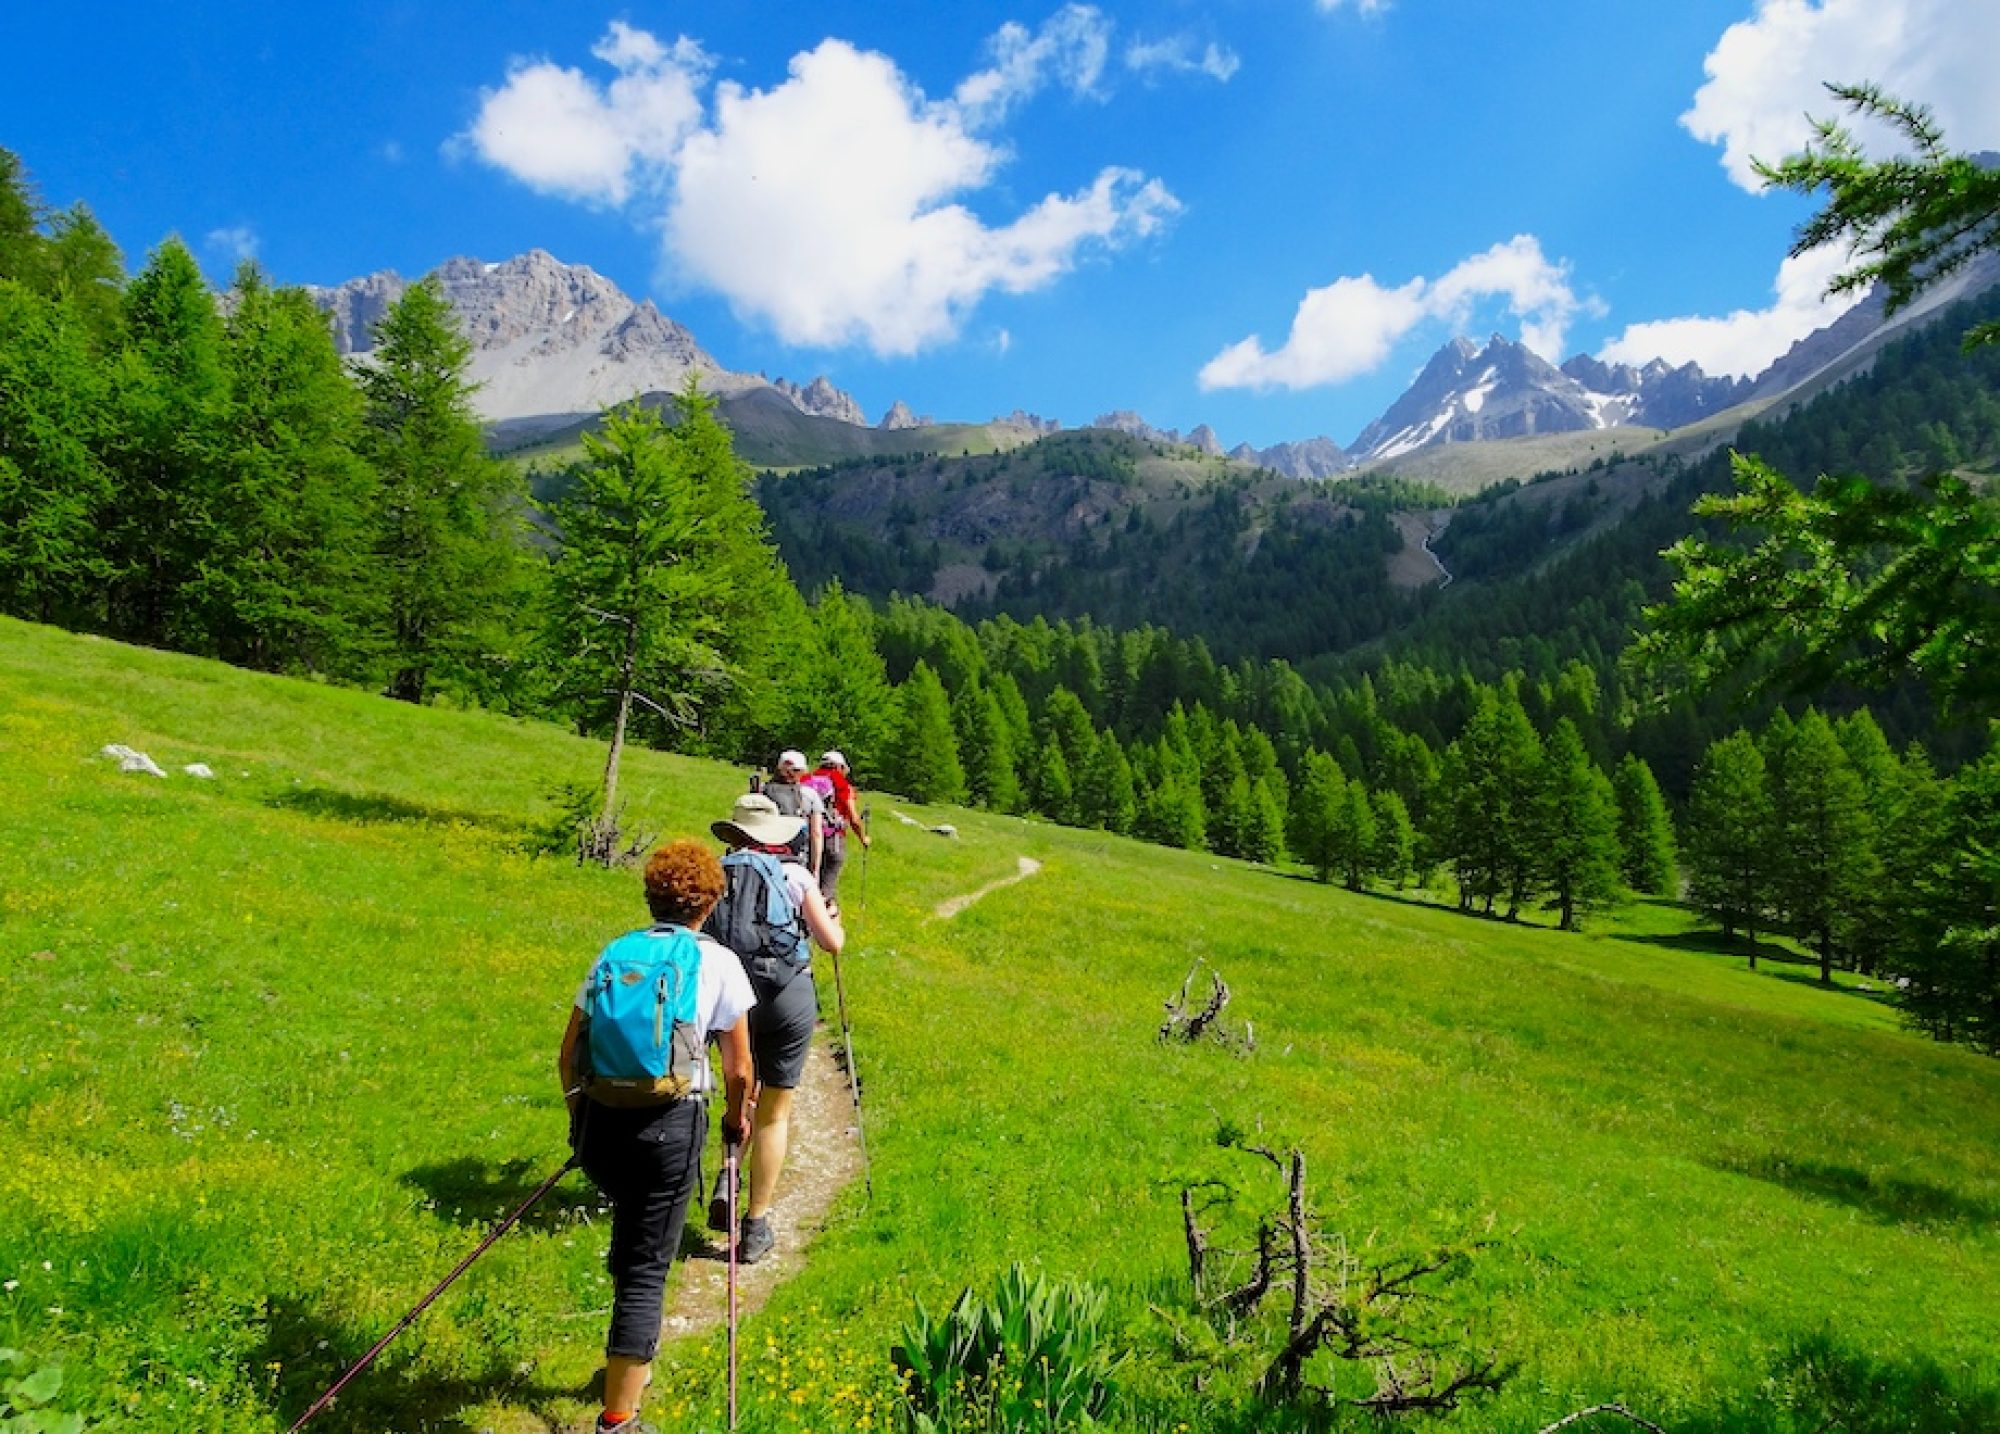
(769,910)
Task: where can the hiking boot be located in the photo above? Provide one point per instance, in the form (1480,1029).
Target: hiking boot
(634,1425)
(718,1202)
(756,1240)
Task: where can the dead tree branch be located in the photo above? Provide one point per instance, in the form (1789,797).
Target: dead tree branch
(1191,1027)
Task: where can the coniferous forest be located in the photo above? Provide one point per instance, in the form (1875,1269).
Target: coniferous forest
(202,472)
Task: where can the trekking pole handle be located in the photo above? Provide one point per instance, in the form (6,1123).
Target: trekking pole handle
(409,1319)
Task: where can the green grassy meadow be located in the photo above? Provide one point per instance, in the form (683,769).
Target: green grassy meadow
(279,1046)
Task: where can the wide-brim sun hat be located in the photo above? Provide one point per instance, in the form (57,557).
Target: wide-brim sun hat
(756,821)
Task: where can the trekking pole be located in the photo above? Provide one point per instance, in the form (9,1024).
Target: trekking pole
(409,1319)
(867,820)
(731,1159)
(854,1075)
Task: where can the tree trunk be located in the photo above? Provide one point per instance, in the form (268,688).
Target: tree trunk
(1825,957)
(625,671)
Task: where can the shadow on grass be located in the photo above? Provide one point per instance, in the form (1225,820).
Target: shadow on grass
(377,809)
(1891,1200)
(479,1193)
(1818,1385)
(1774,961)
(310,1352)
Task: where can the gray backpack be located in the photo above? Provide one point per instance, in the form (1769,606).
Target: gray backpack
(758,920)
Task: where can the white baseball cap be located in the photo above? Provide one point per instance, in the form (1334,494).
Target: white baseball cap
(832,758)
(791,757)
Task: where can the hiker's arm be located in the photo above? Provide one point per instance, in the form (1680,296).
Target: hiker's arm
(818,841)
(827,932)
(566,1059)
(734,1047)
(853,816)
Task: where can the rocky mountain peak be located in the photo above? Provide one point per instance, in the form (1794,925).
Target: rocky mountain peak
(822,400)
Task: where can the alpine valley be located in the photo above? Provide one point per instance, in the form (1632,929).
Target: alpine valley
(1474,493)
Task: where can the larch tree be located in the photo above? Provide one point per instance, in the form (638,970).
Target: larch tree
(448,550)
(1650,862)
(1578,843)
(1730,825)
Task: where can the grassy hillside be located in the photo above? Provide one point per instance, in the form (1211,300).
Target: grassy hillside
(772,433)
(279,1045)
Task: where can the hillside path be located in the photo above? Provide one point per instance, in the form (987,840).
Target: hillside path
(948,909)
(825,1155)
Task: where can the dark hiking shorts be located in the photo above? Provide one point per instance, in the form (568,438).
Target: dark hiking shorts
(781,1030)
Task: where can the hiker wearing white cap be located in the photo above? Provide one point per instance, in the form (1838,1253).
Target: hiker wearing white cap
(843,815)
(769,908)
(795,799)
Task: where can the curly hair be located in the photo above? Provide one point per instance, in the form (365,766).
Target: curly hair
(683,880)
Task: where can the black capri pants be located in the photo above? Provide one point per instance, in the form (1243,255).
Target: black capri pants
(648,1164)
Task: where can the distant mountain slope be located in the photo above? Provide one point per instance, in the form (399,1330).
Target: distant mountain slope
(553,341)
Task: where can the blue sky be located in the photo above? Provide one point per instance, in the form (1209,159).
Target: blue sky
(1259,214)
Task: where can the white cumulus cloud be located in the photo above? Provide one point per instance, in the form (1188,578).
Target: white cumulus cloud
(556,130)
(1349,327)
(833,206)
(1177,54)
(1768,73)
(1361,7)
(1747,341)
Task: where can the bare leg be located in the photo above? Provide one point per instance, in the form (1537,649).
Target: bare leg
(625,1381)
(769,1138)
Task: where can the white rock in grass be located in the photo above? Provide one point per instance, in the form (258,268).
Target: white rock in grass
(199,769)
(130,760)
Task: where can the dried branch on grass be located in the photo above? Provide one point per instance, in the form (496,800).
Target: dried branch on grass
(1338,1305)
(1191,1026)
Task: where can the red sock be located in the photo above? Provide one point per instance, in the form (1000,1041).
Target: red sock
(612,1418)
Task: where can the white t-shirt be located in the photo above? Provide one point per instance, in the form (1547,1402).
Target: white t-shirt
(722,996)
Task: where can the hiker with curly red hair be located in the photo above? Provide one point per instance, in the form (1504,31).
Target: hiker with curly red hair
(635,1072)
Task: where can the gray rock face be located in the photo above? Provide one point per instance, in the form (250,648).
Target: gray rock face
(822,400)
(900,417)
(1021,418)
(1469,394)
(1312,458)
(548,338)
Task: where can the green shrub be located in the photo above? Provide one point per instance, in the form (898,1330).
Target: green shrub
(1033,1357)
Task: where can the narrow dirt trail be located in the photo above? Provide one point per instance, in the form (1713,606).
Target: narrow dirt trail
(947,909)
(825,1155)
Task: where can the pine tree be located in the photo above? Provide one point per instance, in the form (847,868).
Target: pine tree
(1395,839)
(1104,791)
(55,492)
(85,269)
(922,760)
(1579,829)
(840,689)
(1645,833)
(1354,836)
(171,392)
(23,251)
(1264,833)
(986,748)
(1315,814)
(1729,838)
(449,551)
(286,583)
(1825,859)
(1051,789)
(1951,971)
(1171,813)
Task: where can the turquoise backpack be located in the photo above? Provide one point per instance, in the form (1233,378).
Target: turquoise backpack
(644,1041)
